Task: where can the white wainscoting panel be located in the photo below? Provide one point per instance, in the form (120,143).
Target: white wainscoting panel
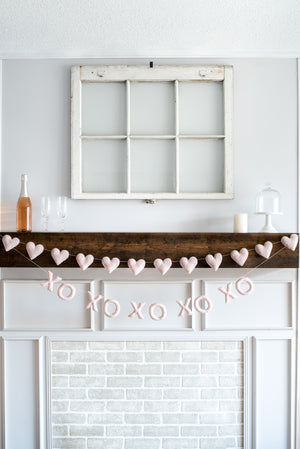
(269,306)
(273,394)
(2,413)
(32,318)
(21,394)
(163,292)
(28,305)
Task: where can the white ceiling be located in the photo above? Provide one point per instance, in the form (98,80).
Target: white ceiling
(148,28)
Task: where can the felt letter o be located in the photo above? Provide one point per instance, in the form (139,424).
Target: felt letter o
(197,304)
(163,312)
(247,281)
(117,308)
(66,297)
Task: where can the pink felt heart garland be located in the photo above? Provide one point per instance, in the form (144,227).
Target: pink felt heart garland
(59,256)
(264,250)
(290,242)
(84,261)
(136,266)
(239,257)
(34,250)
(163,266)
(214,261)
(10,243)
(189,264)
(110,264)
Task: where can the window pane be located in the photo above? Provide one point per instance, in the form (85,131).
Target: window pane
(201,165)
(104,166)
(201,108)
(103,109)
(153,165)
(152,108)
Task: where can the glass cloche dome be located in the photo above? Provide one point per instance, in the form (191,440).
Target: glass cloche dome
(268,202)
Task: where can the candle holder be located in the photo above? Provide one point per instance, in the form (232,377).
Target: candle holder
(268,203)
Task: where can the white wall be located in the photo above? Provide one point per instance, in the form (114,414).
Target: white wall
(131,28)
(36,140)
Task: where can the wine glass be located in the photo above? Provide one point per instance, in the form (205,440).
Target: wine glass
(61,206)
(45,211)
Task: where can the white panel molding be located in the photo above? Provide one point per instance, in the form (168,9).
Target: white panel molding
(292,389)
(297,369)
(5,328)
(154,335)
(250,338)
(2,305)
(2,395)
(144,335)
(47,389)
(39,435)
(151,274)
(195,290)
(161,328)
(248,393)
(254,393)
(43,393)
(292,288)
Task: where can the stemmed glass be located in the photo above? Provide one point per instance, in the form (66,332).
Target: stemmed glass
(61,205)
(45,211)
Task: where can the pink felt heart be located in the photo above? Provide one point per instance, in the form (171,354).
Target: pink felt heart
(110,264)
(163,265)
(239,257)
(290,242)
(136,266)
(264,250)
(214,261)
(34,250)
(189,264)
(59,256)
(10,243)
(84,261)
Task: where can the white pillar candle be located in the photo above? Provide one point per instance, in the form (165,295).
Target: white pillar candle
(240,223)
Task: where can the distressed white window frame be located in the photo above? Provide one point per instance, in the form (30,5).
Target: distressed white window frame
(178,73)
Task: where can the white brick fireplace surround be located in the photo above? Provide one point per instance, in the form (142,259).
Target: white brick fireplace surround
(73,378)
(131,395)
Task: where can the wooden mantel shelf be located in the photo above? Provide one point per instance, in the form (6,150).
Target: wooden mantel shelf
(149,246)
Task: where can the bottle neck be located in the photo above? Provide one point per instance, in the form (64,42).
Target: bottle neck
(24,191)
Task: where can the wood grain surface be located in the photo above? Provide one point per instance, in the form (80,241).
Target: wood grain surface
(148,246)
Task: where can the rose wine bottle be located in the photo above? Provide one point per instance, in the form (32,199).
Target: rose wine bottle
(24,208)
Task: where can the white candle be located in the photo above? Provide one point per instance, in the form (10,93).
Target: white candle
(240,223)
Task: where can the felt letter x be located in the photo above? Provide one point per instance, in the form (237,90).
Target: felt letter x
(185,307)
(93,301)
(137,310)
(227,292)
(50,281)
